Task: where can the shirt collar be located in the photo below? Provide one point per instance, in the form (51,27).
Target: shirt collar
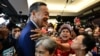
(34,23)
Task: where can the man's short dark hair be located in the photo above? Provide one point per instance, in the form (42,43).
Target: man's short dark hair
(35,6)
(89,42)
(17,27)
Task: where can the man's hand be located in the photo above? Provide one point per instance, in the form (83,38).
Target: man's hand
(38,33)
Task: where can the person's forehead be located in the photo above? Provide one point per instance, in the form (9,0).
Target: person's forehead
(65,30)
(41,47)
(16,29)
(96,30)
(82,28)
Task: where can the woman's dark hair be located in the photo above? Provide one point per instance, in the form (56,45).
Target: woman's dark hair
(89,42)
(50,25)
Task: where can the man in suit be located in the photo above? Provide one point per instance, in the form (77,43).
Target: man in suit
(38,18)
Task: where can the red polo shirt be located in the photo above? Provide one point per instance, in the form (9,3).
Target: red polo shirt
(60,52)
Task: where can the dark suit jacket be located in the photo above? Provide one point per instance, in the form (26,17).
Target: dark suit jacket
(25,45)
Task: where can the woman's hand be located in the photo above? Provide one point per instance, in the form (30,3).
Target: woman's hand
(38,33)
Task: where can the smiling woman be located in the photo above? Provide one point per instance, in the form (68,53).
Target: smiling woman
(83,44)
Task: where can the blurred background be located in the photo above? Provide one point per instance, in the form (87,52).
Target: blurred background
(17,11)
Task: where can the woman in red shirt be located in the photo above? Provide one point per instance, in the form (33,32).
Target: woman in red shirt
(63,41)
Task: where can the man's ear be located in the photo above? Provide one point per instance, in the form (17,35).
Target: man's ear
(83,47)
(33,13)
